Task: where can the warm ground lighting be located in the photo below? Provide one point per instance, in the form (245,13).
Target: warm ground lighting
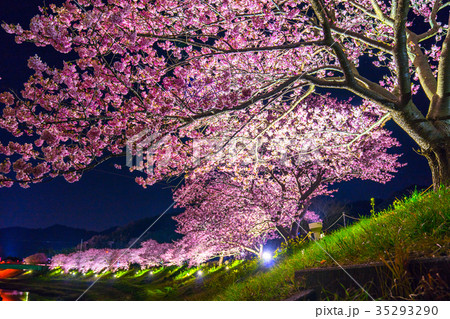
(9,273)
(6,295)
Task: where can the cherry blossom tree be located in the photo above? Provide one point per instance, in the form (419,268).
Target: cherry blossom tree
(193,249)
(172,69)
(223,221)
(150,254)
(39,258)
(262,186)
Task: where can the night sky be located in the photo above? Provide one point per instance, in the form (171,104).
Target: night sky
(106,197)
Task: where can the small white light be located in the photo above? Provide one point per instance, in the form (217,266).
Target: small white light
(267,256)
(226,268)
(200,272)
(151,272)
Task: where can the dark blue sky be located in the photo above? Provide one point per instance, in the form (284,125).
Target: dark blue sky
(106,197)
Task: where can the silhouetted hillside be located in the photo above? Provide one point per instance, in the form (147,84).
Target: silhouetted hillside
(22,242)
(121,237)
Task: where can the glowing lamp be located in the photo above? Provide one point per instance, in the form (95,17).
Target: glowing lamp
(200,272)
(267,256)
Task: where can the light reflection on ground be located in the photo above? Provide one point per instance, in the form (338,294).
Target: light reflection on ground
(13,295)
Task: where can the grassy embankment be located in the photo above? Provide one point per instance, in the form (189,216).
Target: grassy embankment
(417,226)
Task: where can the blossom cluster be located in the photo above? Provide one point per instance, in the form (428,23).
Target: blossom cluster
(170,68)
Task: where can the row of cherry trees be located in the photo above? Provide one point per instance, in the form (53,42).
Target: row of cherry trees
(193,249)
(150,254)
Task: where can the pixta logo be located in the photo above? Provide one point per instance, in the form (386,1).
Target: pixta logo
(143,147)
(246,150)
(144,151)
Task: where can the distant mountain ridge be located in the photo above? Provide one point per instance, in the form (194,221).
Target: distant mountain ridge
(163,231)
(22,242)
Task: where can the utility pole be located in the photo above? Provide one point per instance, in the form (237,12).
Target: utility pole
(343,216)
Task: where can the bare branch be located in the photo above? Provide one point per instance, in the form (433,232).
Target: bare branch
(401,52)
(440,109)
(347,66)
(423,69)
(434,26)
(443,86)
(386,20)
(377,8)
(354,35)
(363,88)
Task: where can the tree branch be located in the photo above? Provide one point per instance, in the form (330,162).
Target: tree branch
(433,22)
(401,52)
(347,67)
(354,35)
(377,8)
(363,88)
(294,105)
(224,51)
(423,69)
(441,107)
(313,186)
(247,103)
(386,20)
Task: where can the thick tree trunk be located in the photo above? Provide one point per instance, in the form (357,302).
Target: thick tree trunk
(438,160)
(294,230)
(287,233)
(432,135)
(284,233)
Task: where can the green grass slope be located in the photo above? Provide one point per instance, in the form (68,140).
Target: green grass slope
(417,226)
